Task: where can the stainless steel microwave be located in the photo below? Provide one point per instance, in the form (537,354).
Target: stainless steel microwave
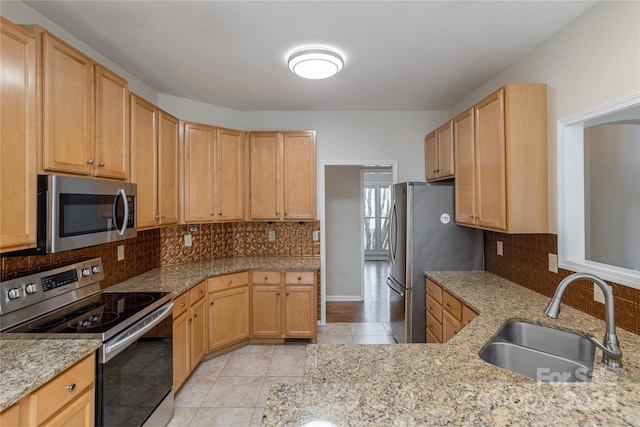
(75,213)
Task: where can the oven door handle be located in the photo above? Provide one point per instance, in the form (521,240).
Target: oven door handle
(119,343)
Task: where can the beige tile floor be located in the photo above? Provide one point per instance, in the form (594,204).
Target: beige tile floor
(231,390)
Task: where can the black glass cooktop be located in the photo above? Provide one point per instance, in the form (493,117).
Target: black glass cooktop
(96,315)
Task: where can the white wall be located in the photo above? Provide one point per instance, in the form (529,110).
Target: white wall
(342,233)
(593,60)
(19,13)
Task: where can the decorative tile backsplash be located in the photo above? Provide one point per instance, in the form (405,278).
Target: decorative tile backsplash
(222,240)
(525,261)
(140,254)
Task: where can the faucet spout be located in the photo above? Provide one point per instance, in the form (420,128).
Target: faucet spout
(611,353)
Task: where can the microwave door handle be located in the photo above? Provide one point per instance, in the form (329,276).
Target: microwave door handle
(122,194)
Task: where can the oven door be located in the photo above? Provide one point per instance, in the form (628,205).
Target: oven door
(135,372)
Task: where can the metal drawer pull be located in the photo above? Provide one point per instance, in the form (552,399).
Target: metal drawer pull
(211,303)
(90,161)
(71,387)
(195,314)
(101,164)
(448,304)
(182,305)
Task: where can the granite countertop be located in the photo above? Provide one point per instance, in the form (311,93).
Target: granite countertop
(27,364)
(439,384)
(179,278)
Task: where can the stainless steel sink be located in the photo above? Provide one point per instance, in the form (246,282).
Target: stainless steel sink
(542,353)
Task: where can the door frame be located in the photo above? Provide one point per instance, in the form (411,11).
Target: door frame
(393,164)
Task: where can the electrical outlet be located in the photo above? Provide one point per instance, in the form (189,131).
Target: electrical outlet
(188,241)
(597,294)
(272,235)
(499,248)
(316,236)
(553,263)
(120,252)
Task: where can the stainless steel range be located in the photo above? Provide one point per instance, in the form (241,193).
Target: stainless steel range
(134,373)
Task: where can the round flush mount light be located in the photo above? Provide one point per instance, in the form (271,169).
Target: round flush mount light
(315,63)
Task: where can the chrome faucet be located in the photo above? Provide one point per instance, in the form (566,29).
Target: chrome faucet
(611,353)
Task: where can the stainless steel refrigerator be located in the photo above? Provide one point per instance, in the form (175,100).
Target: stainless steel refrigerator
(423,236)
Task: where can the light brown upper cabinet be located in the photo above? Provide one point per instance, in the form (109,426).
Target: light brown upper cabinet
(213,173)
(439,153)
(17,138)
(501,161)
(283,176)
(154,163)
(84,113)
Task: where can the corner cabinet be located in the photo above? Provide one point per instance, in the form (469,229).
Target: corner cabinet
(446,315)
(283,176)
(154,163)
(439,153)
(18,138)
(501,161)
(228,310)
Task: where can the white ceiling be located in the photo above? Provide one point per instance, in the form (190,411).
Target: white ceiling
(413,55)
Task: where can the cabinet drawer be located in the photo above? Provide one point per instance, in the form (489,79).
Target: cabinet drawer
(434,308)
(180,305)
(434,326)
(300,278)
(61,390)
(197,292)
(450,326)
(434,291)
(467,315)
(452,305)
(266,278)
(228,281)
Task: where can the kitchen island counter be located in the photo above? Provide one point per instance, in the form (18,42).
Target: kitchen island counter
(439,384)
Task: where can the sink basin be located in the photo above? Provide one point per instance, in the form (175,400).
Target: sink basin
(541,353)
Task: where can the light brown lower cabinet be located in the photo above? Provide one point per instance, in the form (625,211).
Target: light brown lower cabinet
(189,332)
(228,310)
(446,315)
(66,400)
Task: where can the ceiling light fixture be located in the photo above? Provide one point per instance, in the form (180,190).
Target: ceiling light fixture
(311,63)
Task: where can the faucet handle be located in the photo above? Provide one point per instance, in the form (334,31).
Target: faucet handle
(611,353)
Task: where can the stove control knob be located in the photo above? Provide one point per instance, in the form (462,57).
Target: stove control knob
(95,269)
(31,288)
(86,272)
(84,324)
(94,318)
(13,293)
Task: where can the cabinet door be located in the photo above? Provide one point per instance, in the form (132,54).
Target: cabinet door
(67,101)
(445,151)
(227,317)
(144,164)
(16,415)
(198,172)
(112,125)
(266,176)
(230,173)
(299,166)
(80,412)
(17,138)
(299,311)
(490,155)
(266,311)
(181,349)
(168,158)
(465,159)
(198,333)
(450,326)
(431,156)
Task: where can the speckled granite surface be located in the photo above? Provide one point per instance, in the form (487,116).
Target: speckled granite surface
(179,278)
(27,364)
(448,384)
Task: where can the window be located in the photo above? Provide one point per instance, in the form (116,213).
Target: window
(376,193)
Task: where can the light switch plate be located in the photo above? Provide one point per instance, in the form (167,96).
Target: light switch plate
(597,294)
(499,246)
(120,252)
(188,240)
(272,235)
(316,236)
(553,263)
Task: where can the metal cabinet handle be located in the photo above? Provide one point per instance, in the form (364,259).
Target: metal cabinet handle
(190,319)
(434,171)
(101,164)
(266,278)
(287,294)
(477,216)
(278,294)
(195,315)
(299,279)
(470,215)
(156,217)
(448,304)
(163,216)
(71,387)
(211,303)
(220,213)
(230,282)
(286,213)
(183,304)
(90,161)
(277,212)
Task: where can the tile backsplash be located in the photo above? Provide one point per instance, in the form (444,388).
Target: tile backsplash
(525,261)
(140,254)
(222,240)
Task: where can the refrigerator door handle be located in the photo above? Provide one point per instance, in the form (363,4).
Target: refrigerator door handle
(393,288)
(393,233)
